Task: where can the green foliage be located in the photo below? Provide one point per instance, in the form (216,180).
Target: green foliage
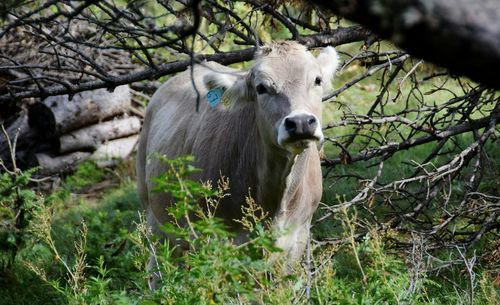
(73,249)
(86,174)
(6,6)
(109,265)
(211,253)
(17,201)
(96,251)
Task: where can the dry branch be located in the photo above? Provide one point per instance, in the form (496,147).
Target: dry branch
(395,147)
(75,49)
(56,49)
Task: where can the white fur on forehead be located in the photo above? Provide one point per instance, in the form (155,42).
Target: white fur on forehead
(279,48)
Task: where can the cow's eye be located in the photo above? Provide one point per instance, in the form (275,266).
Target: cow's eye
(318,81)
(261,89)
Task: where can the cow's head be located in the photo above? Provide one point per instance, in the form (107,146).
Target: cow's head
(286,84)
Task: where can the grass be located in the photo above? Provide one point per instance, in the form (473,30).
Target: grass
(109,216)
(361,272)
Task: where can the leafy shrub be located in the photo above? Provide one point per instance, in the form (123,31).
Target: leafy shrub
(214,269)
(86,174)
(17,201)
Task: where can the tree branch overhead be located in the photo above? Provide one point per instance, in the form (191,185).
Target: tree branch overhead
(461,35)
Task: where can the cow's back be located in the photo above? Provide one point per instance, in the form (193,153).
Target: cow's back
(172,127)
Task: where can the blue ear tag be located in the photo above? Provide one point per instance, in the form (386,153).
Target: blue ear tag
(214,96)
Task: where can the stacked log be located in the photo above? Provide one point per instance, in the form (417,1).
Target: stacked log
(92,137)
(57,115)
(60,132)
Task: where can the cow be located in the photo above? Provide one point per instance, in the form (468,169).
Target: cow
(262,134)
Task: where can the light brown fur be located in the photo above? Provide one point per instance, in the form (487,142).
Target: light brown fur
(239,141)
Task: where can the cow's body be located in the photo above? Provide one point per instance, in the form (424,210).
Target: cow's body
(274,161)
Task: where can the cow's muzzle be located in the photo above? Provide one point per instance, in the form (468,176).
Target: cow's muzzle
(298,130)
(301,126)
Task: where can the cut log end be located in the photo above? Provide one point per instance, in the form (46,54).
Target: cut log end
(41,118)
(58,134)
(116,150)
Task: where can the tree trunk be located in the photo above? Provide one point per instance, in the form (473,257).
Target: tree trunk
(57,115)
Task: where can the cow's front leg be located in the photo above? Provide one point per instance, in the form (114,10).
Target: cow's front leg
(292,238)
(295,242)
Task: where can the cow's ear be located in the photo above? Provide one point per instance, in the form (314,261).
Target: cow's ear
(241,92)
(328,60)
(236,86)
(216,79)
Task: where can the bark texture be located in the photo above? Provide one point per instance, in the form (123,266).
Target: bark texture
(461,35)
(115,150)
(89,138)
(59,133)
(63,163)
(57,115)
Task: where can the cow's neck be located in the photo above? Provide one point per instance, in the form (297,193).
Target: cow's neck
(280,176)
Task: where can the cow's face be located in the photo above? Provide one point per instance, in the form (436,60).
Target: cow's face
(286,85)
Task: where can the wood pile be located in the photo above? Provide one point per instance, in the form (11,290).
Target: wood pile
(59,133)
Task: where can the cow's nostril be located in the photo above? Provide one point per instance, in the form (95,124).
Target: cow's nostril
(290,124)
(311,121)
